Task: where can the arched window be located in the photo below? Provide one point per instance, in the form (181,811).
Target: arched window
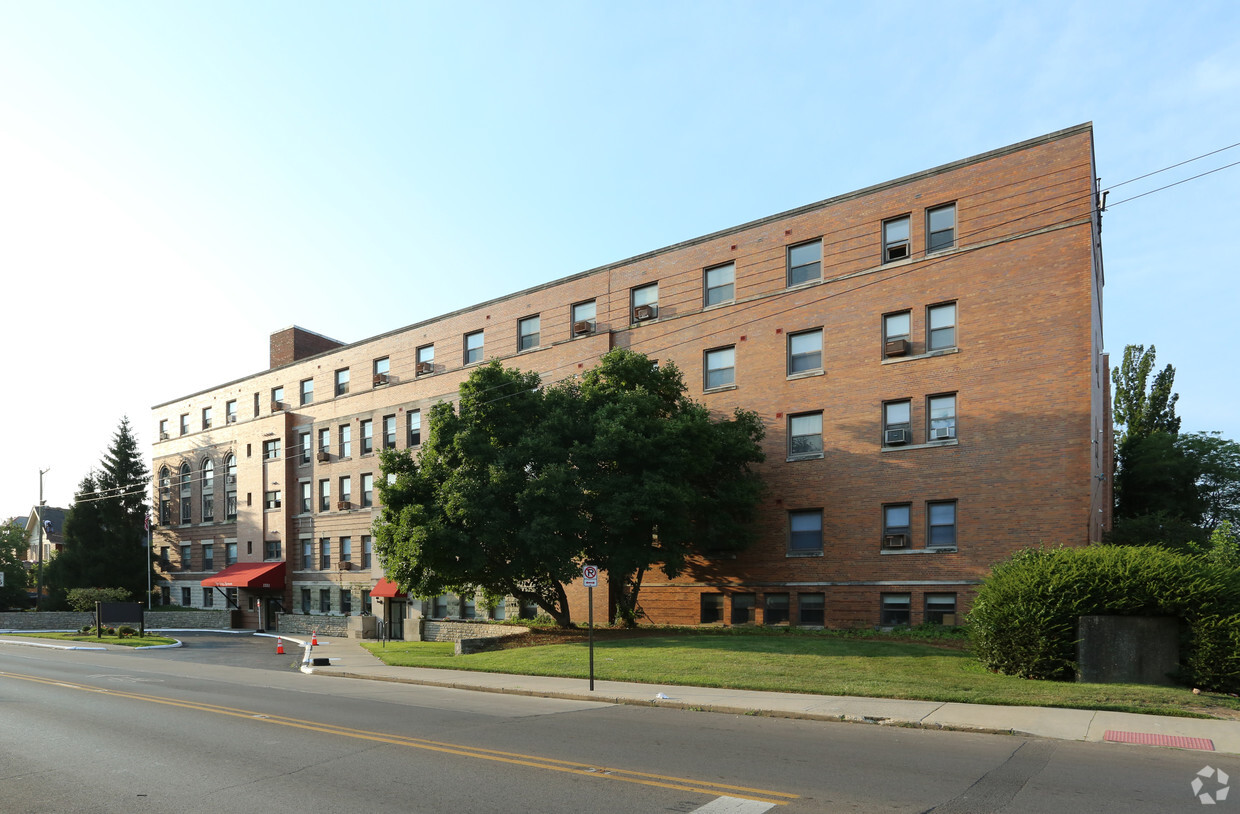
(208,491)
(165,496)
(186,494)
(230,487)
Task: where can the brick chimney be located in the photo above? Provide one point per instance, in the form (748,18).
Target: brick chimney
(294,343)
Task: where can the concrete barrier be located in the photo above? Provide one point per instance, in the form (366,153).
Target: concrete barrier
(1128,649)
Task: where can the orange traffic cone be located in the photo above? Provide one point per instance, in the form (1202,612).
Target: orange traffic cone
(279,646)
(314,639)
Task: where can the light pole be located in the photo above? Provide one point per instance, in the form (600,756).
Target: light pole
(38,597)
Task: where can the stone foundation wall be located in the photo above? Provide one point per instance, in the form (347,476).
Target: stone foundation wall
(76,620)
(304,625)
(436,631)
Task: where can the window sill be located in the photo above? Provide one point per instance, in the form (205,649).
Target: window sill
(715,305)
(814,457)
(721,389)
(806,284)
(806,374)
(938,549)
(927,355)
(796,554)
(951,442)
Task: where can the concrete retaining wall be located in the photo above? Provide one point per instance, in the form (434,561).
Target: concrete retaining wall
(302,624)
(76,620)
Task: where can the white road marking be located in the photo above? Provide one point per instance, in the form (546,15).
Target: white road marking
(734,805)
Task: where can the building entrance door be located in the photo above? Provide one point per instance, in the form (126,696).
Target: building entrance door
(396,619)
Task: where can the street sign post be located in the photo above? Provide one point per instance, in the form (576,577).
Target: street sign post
(589,576)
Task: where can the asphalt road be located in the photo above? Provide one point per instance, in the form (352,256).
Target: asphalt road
(225,725)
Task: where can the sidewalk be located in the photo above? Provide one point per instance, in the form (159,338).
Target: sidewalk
(347,658)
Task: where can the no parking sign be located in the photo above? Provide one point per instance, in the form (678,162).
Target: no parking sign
(589,576)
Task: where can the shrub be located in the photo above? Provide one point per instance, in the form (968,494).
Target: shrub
(84,599)
(1024,619)
(126,630)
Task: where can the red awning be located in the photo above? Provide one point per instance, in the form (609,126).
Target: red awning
(386,589)
(249,575)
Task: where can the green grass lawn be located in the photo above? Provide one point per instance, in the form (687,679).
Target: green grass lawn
(822,665)
(90,638)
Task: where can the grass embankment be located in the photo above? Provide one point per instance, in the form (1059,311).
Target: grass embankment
(819,664)
(90,638)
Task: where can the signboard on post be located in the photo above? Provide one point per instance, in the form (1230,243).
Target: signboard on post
(589,576)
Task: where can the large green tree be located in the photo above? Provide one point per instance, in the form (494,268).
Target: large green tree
(105,531)
(519,485)
(13,544)
(1216,461)
(1139,407)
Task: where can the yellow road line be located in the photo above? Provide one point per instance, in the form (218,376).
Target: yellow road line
(549,764)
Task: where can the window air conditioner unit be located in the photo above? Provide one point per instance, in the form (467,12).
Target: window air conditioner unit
(895,541)
(583,327)
(163,436)
(344,566)
(230,478)
(232,419)
(381,378)
(341,505)
(277,406)
(644,312)
(942,433)
(324,456)
(424,368)
(896,347)
(893,438)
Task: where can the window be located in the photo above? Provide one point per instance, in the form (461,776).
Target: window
(439,607)
(230,411)
(305,601)
(271,499)
(941,519)
(776,610)
(325,495)
(206,418)
(367,550)
(897,423)
(342,381)
(805,530)
(941,609)
(896,525)
(720,284)
(325,443)
(366,607)
(187,562)
(415,427)
(307,554)
(165,496)
(389,432)
(805,263)
(645,302)
(230,487)
(163,429)
(208,491)
(894,609)
(307,498)
(896,239)
(163,557)
(940,228)
(346,549)
(277,398)
(271,449)
(368,490)
(186,597)
(712,609)
(208,598)
(811,609)
(346,440)
(257,396)
(583,318)
(346,489)
(307,391)
(805,435)
(527,333)
(184,423)
(469,607)
(895,334)
(804,351)
(473,347)
(271,550)
(720,367)
(208,556)
(425,360)
(325,600)
(230,553)
(742,609)
(368,436)
(942,412)
(346,601)
(303,443)
(941,326)
(186,493)
(325,553)
(380,368)
(500,612)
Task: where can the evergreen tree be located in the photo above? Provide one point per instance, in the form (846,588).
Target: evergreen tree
(105,529)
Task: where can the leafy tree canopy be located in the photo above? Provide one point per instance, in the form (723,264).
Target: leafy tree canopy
(13,545)
(1141,408)
(519,485)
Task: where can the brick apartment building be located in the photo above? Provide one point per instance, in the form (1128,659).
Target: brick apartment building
(926,354)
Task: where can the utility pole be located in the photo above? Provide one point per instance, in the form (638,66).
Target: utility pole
(38,597)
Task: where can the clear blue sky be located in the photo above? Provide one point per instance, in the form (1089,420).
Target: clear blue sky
(178,180)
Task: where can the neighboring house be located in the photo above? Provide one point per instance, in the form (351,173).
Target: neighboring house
(45,528)
(926,353)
